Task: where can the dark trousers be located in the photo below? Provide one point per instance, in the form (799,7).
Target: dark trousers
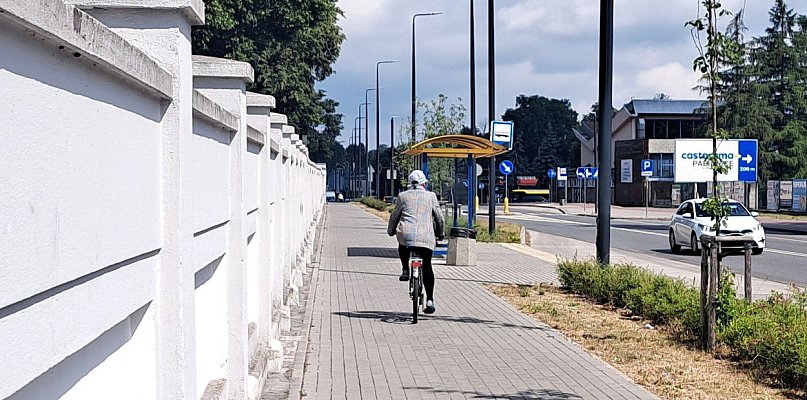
(426,268)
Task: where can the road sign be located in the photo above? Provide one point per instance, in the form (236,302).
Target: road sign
(501,132)
(551,174)
(692,165)
(647,167)
(562,174)
(587,172)
(506,167)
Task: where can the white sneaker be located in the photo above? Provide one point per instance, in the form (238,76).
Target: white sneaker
(430,309)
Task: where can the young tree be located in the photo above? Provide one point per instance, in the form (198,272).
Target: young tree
(718,50)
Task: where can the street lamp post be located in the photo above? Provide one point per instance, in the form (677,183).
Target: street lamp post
(367,132)
(604,160)
(378,129)
(366,145)
(491,118)
(414,101)
(392,155)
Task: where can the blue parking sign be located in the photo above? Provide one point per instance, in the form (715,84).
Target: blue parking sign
(647,167)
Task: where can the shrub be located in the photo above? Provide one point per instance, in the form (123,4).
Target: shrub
(661,299)
(377,204)
(772,336)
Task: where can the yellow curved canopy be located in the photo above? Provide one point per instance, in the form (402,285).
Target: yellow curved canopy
(461,146)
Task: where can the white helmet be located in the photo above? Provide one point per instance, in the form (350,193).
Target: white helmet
(417,177)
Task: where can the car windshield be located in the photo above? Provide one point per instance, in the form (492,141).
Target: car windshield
(734,210)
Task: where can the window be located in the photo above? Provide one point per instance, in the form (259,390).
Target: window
(641,130)
(663,165)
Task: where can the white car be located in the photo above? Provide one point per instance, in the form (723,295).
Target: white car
(690,221)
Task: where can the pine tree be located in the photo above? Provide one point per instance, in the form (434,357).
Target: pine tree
(779,82)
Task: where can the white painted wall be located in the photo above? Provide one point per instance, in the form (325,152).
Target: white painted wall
(141,232)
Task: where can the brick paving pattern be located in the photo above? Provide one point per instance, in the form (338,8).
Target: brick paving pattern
(362,344)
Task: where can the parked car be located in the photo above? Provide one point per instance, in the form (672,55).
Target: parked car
(330,196)
(691,221)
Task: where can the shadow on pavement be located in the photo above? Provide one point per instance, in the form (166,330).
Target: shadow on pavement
(532,394)
(642,227)
(439,277)
(380,252)
(395,317)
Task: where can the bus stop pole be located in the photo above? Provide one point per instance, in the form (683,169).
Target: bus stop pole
(471,168)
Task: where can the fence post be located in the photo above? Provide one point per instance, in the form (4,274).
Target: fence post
(712,314)
(705,251)
(748,272)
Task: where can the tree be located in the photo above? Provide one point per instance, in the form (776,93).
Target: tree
(543,134)
(291,44)
(718,51)
(778,68)
(440,117)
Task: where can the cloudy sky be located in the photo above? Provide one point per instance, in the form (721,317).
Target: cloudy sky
(546,47)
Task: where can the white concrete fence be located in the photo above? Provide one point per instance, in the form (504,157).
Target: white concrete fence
(157,218)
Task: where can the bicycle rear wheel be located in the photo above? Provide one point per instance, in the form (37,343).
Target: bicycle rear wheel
(417,288)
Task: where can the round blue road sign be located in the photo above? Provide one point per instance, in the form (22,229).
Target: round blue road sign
(506,167)
(551,173)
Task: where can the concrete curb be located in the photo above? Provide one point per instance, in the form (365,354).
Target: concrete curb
(300,358)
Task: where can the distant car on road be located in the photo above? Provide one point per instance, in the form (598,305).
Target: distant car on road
(330,196)
(691,221)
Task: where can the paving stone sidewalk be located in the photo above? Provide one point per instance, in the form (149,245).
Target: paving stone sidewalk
(362,345)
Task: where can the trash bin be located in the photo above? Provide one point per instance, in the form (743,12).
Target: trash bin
(461,247)
(562,202)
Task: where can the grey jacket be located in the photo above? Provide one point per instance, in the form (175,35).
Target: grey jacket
(416,216)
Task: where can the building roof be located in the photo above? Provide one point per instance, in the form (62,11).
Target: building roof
(667,107)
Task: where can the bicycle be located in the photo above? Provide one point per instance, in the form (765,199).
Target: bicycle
(415,284)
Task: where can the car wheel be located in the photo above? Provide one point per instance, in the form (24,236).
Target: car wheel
(756,251)
(674,246)
(693,243)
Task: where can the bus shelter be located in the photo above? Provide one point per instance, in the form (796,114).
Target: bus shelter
(458,146)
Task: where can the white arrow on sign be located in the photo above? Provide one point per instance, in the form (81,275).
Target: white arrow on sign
(506,167)
(747,158)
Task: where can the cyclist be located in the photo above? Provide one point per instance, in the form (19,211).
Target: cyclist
(417,221)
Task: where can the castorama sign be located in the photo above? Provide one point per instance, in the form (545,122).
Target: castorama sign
(692,164)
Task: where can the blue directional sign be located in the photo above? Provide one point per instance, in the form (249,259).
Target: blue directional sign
(551,174)
(747,164)
(647,167)
(587,173)
(506,167)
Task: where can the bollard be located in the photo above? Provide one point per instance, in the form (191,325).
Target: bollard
(506,205)
(476,204)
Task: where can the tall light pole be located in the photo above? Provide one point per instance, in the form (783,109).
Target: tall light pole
(378,129)
(604,134)
(392,155)
(491,118)
(414,98)
(366,145)
(366,131)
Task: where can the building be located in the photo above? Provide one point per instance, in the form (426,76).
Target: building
(647,129)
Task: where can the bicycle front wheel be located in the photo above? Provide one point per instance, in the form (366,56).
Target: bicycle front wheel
(417,288)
